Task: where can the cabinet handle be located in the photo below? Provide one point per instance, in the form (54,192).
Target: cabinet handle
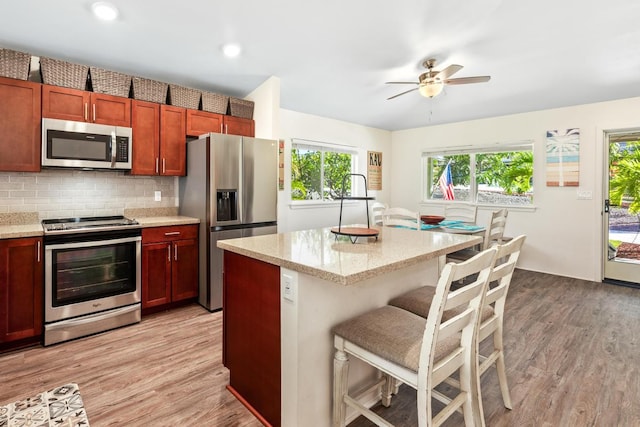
(38,251)
(221,131)
(226,128)
(94,112)
(169,252)
(164,165)
(175,252)
(172,233)
(86,111)
(157,160)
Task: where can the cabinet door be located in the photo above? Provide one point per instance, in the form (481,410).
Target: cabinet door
(156,274)
(145,121)
(110,110)
(184,270)
(20,131)
(21,283)
(239,126)
(201,122)
(65,103)
(173,141)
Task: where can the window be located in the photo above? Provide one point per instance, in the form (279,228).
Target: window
(317,170)
(499,175)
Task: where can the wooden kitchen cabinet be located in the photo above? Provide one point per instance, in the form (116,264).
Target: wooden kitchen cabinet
(82,106)
(169,265)
(159,141)
(239,126)
(21,289)
(173,141)
(20,125)
(201,122)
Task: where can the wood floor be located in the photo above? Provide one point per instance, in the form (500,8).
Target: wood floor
(165,371)
(573,359)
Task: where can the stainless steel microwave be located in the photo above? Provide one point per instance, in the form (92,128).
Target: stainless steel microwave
(79,145)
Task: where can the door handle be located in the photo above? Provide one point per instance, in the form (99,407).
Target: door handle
(157,160)
(606,205)
(94,112)
(169,252)
(38,251)
(86,111)
(164,165)
(175,252)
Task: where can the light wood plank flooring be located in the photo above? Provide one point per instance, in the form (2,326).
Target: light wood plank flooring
(572,358)
(165,371)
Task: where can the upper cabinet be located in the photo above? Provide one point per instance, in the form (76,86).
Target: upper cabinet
(159,139)
(82,106)
(239,126)
(20,128)
(201,122)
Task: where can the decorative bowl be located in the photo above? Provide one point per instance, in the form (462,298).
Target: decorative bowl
(431,219)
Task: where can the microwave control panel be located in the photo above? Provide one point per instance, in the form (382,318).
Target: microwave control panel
(122,149)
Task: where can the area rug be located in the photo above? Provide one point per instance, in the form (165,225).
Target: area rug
(59,407)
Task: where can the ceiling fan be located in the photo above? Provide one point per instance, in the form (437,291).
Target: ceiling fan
(430,83)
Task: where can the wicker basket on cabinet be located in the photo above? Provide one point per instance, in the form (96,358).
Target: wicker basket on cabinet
(150,90)
(14,64)
(241,108)
(110,82)
(214,102)
(62,73)
(184,97)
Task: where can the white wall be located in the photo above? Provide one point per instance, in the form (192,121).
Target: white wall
(315,128)
(266,113)
(564,234)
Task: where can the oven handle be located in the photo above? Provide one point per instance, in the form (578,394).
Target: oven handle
(93,243)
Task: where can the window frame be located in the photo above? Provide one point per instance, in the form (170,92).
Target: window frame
(428,182)
(323,147)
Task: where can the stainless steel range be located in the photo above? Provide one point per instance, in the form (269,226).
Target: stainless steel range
(92,275)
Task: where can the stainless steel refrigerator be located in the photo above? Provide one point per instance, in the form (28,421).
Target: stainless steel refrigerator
(231,186)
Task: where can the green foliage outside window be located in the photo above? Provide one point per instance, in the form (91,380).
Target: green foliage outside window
(624,180)
(316,174)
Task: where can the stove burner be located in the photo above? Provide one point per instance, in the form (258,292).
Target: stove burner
(88,224)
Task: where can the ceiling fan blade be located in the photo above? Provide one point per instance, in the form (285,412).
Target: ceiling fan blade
(402,83)
(466,80)
(402,93)
(449,71)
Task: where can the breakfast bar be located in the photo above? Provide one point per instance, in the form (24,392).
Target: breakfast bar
(284,292)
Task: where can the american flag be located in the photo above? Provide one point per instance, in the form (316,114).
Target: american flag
(446,183)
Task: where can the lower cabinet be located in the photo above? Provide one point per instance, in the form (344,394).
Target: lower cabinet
(21,289)
(169,264)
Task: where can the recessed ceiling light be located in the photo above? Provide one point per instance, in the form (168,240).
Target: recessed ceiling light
(231,50)
(105,11)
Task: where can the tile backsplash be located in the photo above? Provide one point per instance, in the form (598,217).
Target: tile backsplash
(55,193)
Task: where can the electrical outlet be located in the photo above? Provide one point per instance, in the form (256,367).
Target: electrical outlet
(288,287)
(157,196)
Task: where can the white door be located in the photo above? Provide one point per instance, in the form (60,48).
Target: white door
(621,221)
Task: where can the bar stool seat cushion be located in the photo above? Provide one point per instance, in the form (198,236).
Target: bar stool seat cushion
(394,334)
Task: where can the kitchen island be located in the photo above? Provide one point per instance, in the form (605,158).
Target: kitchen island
(284,292)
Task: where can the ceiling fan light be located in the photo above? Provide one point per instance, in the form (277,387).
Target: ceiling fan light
(431,89)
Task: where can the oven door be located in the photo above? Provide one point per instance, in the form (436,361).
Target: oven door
(91,276)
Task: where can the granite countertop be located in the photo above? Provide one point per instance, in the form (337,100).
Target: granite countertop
(27,224)
(317,252)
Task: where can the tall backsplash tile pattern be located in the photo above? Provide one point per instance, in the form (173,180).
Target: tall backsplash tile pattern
(56,193)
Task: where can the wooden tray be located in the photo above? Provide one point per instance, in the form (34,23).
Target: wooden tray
(355,232)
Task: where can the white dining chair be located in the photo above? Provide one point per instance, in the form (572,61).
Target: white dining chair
(401,217)
(377,210)
(464,212)
(419,352)
(419,300)
(492,236)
